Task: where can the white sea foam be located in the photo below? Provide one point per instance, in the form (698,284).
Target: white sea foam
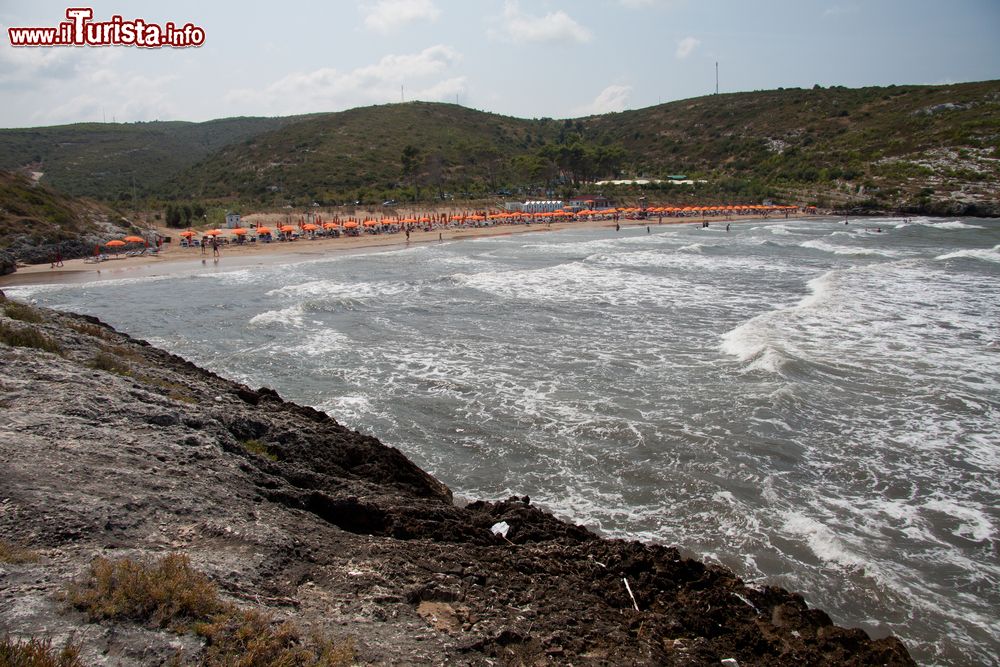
(821,540)
(951,225)
(974,524)
(754,344)
(846,250)
(986,254)
(290,316)
(323,343)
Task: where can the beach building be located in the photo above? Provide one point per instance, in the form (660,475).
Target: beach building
(591,202)
(232,220)
(535,206)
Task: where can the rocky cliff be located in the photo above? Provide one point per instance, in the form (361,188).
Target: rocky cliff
(114,448)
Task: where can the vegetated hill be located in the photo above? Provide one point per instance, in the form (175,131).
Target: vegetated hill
(110,161)
(900,147)
(35,221)
(354,153)
(932,149)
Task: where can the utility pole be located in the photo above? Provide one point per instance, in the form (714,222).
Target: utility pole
(716,77)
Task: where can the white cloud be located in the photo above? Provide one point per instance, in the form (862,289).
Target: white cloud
(34,67)
(43,86)
(327,89)
(638,4)
(612,98)
(553,27)
(686,47)
(107,94)
(387,16)
(840,10)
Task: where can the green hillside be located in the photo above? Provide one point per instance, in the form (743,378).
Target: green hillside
(930,148)
(896,146)
(335,156)
(110,161)
(912,148)
(36,221)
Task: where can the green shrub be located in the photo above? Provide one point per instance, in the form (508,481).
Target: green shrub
(37,653)
(259,448)
(28,337)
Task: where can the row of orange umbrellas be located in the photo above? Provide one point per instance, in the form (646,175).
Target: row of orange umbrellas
(352,223)
(118,243)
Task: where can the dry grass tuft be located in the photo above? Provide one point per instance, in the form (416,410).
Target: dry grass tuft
(89,329)
(22,311)
(259,641)
(171,594)
(37,653)
(15,555)
(28,337)
(173,390)
(103,361)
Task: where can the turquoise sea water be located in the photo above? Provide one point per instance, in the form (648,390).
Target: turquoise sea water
(813,404)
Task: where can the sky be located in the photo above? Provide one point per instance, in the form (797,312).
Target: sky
(524,58)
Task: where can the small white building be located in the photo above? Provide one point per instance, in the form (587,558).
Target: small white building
(538,206)
(232,220)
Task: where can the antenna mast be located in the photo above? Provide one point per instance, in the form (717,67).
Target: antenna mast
(716,77)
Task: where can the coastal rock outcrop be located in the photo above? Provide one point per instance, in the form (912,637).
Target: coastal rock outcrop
(113,448)
(7,263)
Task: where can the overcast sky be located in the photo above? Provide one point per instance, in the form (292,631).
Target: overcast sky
(526,58)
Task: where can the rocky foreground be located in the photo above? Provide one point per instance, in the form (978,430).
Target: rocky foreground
(113,448)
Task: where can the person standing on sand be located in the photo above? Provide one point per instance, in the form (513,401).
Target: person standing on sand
(215,247)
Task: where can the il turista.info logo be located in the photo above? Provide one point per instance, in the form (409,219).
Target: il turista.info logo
(81,30)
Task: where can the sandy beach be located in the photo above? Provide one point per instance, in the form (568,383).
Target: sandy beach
(175,259)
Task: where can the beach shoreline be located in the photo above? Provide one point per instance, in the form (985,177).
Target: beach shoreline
(173,259)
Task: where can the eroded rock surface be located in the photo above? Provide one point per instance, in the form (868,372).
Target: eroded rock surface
(335,530)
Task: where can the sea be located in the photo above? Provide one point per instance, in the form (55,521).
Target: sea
(813,403)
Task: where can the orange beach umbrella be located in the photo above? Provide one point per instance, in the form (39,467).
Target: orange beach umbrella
(211,232)
(116,243)
(188,233)
(263,230)
(133,239)
(239,231)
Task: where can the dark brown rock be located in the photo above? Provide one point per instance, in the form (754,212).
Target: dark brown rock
(338,532)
